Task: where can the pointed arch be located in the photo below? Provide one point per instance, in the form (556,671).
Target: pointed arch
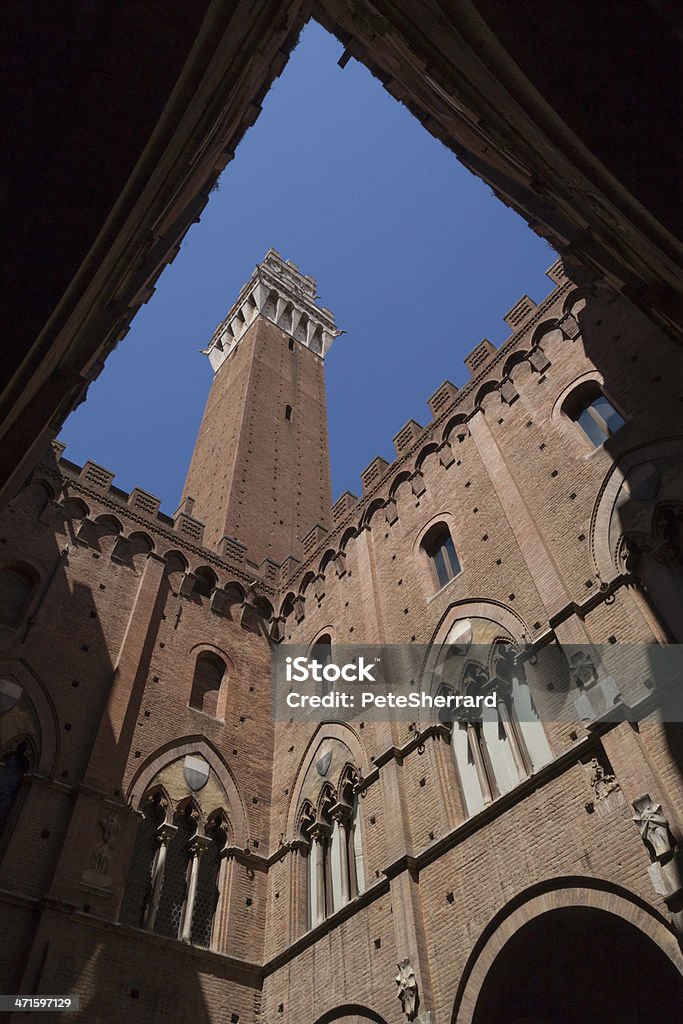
(17,670)
(180,748)
(325,730)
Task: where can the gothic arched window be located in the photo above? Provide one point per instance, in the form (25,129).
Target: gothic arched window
(137,897)
(172,886)
(209,673)
(207,892)
(331,830)
(170,916)
(16,587)
(15,764)
(592,411)
(439,549)
(497,747)
(321,651)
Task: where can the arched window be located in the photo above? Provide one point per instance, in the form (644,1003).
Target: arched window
(495,748)
(321,651)
(13,767)
(588,407)
(208,676)
(172,885)
(170,916)
(137,898)
(207,893)
(16,587)
(439,549)
(335,859)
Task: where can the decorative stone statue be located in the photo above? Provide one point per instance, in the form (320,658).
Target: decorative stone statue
(602,782)
(407,988)
(653,826)
(666,872)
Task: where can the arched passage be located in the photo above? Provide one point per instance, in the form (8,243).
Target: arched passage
(350,1015)
(578,965)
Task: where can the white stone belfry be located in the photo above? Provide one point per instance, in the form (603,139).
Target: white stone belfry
(278,291)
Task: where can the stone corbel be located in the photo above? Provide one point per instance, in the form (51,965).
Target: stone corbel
(391,511)
(319,587)
(539,360)
(250,618)
(570,327)
(298,609)
(417,484)
(187,585)
(508,392)
(340,564)
(446,456)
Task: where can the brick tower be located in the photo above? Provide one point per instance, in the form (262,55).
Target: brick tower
(260,469)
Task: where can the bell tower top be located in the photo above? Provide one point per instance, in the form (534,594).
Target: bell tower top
(279,292)
(260,471)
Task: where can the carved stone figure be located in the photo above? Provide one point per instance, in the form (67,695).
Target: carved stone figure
(407,987)
(653,826)
(602,782)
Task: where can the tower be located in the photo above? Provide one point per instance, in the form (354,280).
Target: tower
(260,469)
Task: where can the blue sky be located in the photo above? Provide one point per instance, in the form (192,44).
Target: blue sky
(415,257)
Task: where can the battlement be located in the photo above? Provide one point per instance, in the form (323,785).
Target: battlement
(279,292)
(449,404)
(182,528)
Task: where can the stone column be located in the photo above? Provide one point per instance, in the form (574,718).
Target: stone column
(484,774)
(513,733)
(165,834)
(319,833)
(341,814)
(198,846)
(299,899)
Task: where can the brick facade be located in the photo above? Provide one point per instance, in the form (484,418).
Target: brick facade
(557,545)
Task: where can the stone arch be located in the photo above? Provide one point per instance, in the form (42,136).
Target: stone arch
(323,631)
(515,359)
(306,581)
(109,525)
(193,745)
(497,612)
(328,557)
(75,508)
(371,510)
(545,327)
(553,895)
(557,415)
(458,420)
(347,536)
(604,552)
(487,388)
(575,296)
(19,672)
(425,452)
(350,1013)
(399,479)
(141,537)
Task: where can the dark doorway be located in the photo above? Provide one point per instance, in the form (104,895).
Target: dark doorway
(580,966)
